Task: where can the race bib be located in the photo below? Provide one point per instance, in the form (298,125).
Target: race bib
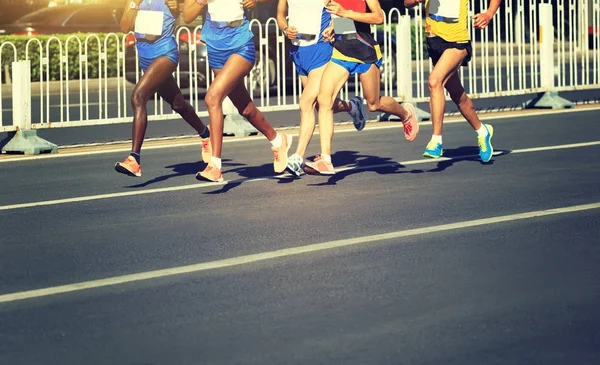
(225,10)
(343,25)
(446,8)
(149,22)
(305,15)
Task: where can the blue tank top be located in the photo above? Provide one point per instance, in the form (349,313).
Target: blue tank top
(325,20)
(166,42)
(227,38)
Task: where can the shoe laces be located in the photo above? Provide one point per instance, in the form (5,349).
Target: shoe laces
(276,154)
(432,145)
(482,144)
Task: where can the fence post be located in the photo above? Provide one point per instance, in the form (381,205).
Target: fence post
(549,98)
(404,72)
(25,139)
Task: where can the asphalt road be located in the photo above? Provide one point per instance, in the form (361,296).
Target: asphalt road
(390,261)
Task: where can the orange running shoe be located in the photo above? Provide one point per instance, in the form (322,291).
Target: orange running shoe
(210,173)
(280,153)
(206,149)
(321,166)
(129,167)
(411,125)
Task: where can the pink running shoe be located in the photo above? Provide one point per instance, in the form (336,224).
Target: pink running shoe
(411,124)
(321,166)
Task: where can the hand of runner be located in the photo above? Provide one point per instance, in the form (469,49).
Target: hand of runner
(291,33)
(336,9)
(248,4)
(329,33)
(481,20)
(172,4)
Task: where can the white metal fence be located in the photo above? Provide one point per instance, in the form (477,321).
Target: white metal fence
(510,57)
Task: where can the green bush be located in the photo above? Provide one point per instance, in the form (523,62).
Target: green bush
(54,60)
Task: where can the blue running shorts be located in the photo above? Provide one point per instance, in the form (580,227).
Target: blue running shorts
(217,58)
(356,67)
(311,57)
(173,55)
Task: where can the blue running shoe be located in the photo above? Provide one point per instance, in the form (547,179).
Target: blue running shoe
(358,117)
(294,165)
(433,150)
(485,144)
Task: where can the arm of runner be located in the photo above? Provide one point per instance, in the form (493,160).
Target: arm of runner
(412,3)
(192,8)
(290,32)
(482,20)
(329,33)
(129,15)
(374,17)
(173,6)
(281,14)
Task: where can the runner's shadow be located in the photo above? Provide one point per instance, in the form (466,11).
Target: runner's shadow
(182,169)
(386,166)
(362,163)
(245,173)
(465,153)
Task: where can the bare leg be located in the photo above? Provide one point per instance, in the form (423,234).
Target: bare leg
(228,82)
(171,93)
(155,76)
(334,77)
(447,65)
(371,83)
(462,100)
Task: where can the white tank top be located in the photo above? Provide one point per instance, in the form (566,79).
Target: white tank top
(225,10)
(305,15)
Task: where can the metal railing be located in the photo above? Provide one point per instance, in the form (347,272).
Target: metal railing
(510,57)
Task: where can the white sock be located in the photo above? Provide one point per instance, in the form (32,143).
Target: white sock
(277,141)
(482,131)
(326,157)
(216,161)
(436,138)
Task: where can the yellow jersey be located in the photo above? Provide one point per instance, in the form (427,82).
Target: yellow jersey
(447,19)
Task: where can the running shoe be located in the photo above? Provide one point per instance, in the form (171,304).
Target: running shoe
(485,144)
(358,117)
(210,173)
(433,150)
(411,125)
(206,149)
(321,166)
(129,167)
(294,164)
(280,153)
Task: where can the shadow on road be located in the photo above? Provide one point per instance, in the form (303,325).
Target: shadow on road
(246,173)
(348,163)
(386,166)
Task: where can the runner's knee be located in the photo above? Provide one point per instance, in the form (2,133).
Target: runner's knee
(179,104)
(435,81)
(250,111)
(325,101)
(213,98)
(139,98)
(373,106)
(307,103)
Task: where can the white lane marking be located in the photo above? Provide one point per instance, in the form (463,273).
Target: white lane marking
(372,127)
(246,180)
(247,259)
